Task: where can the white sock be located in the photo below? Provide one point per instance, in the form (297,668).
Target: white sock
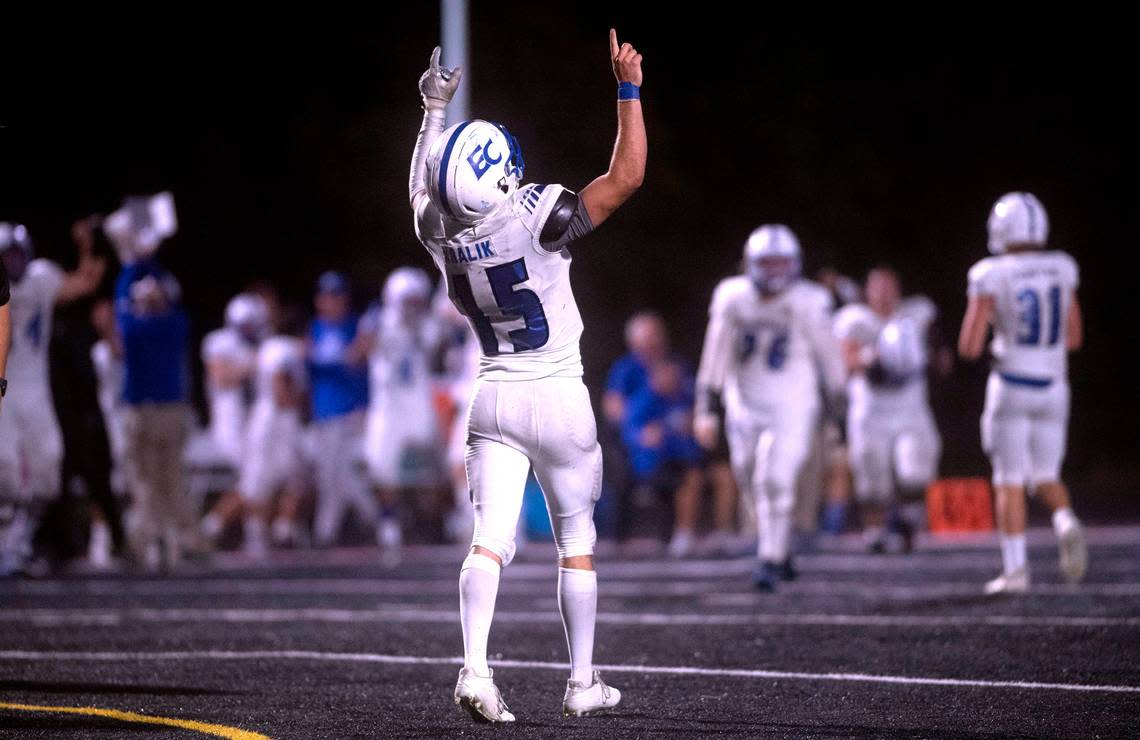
(1012,552)
(578,602)
(1063,520)
(478,588)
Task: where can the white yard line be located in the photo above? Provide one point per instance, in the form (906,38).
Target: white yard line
(116,617)
(221,655)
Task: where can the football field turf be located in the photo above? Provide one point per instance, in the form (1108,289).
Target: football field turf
(332,645)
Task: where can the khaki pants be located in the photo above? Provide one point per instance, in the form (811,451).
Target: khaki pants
(155,436)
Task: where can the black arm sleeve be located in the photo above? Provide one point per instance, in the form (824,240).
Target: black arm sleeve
(5,293)
(567,221)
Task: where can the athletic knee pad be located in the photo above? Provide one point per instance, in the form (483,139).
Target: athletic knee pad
(501,546)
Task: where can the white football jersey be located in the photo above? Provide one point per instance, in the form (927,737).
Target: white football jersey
(279,354)
(515,294)
(1032,294)
(32,306)
(770,353)
(858,323)
(400,363)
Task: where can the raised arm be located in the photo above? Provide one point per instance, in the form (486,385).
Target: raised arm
(85,279)
(437,86)
(604,195)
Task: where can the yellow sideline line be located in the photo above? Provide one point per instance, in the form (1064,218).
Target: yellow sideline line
(232,733)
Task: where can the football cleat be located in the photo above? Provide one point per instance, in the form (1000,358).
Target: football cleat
(481,698)
(788,570)
(1074,554)
(1016,582)
(581,699)
(765,577)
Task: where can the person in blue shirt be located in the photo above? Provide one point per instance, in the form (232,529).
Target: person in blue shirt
(649,398)
(338,371)
(155,334)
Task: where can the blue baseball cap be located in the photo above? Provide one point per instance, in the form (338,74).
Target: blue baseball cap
(333,282)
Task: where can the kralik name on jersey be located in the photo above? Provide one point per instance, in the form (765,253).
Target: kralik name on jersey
(468,253)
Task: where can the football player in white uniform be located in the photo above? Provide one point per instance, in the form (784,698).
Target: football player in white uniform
(272,455)
(1028,294)
(767,345)
(502,248)
(32,446)
(460,369)
(894,443)
(401,437)
(229,355)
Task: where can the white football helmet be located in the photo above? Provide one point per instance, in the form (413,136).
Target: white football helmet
(772,257)
(15,236)
(140,225)
(247,313)
(407,283)
(1017,218)
(472,169)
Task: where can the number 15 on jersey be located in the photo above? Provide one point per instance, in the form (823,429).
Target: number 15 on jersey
(503,304)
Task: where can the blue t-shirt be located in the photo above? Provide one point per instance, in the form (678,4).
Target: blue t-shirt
(627,376)
(338,387)
(646,406)
(155,348)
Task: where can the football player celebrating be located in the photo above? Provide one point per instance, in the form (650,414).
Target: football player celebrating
(768,340)
(1028,294)
(502,249)
(32,446)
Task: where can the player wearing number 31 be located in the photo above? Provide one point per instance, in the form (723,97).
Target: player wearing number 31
(502,247)
(1029,295)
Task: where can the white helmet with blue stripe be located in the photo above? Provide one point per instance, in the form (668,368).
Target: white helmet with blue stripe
(1017,218)
(772,257)
(473,168)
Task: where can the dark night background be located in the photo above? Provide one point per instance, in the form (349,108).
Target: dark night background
(286,144)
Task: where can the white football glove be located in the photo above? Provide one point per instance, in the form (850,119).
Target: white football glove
(438,84)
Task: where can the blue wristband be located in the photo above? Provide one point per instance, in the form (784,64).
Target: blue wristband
(628,91)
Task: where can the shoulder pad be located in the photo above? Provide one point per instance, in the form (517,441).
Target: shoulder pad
(565,205)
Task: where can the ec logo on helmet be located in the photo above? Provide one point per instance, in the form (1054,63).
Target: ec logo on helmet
(481,161)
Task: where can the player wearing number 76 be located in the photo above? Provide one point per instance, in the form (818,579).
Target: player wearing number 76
(502,248)
(1029,295)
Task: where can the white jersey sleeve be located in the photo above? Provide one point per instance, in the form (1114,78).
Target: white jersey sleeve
(32,307)
(983,278)
(224,344)
(717,352)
